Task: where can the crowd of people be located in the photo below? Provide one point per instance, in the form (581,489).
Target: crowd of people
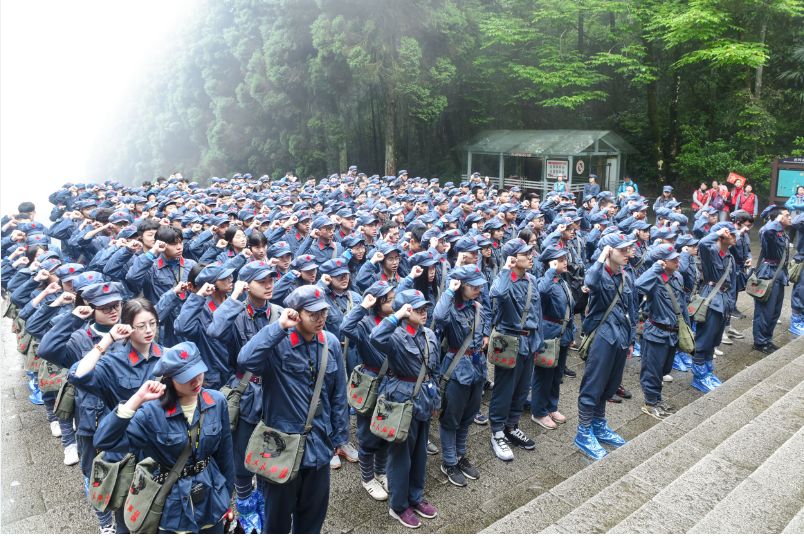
(202,347)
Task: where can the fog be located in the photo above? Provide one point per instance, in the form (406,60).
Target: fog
(65,70)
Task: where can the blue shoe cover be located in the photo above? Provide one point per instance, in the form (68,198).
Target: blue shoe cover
(605,434)
(678,362)
(36,398)
(248,516)
(32,385)
(701,378)
(587,442)
(710,366)
(687,360)
(260,505)
(637,350)
(797,325)
(86,486)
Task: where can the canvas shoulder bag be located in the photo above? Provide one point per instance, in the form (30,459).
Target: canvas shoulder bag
(552,347)
(699,306)
(504,348)
(276,455)
(363,387)
(110,482)
(233,397)
(64,407)
(586,342)
(391,420)
(686,339)
(794,270)
(146,497)
(760,288)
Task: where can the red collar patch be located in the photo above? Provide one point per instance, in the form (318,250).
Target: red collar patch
(665,277)
(171,411)
(321,337)
(207,397)
(160,263)
(134,357)
(513,276)
(212,306)
(295,340)
(377,320)
(410,329)
(156,350)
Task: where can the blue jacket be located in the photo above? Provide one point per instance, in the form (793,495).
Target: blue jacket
(508,294)
(191,325)
(64,345)
(603,287)
(456,322)
(773,242)
(796,202)
(358,325)
(713,263)
(289,365)
(653,284)
(555,296)
(162,435)
(404,347)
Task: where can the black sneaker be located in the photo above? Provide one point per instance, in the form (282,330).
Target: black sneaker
(517,437)
(454,475)
(570,373)
(773,346)
(766,349)
(468,470)
(624,393)
(488,386)
(615,399)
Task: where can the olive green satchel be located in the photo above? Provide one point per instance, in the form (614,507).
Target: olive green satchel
(503,348)
(276,455)
(363,387)
(110,482)
(233,397)
(686,338)
(552,347)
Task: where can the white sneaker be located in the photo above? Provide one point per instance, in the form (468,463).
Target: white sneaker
(108,529)
(500,447)
(667,378)
(735,334)
(55,429)
(718,353)
(348,451)
(383,480)
(375,490)
(71,454)
(335,462)
(725,340)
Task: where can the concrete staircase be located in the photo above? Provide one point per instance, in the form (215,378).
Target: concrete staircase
(732,461)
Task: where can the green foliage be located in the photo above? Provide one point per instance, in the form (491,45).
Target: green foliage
(703,87)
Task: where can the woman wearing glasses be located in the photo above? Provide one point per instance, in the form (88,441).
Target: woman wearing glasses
(71,338)
(123,360)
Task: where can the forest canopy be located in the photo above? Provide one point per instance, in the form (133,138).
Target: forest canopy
(699,87)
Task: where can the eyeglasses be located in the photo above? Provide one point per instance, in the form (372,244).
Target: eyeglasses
(420,310)
(143,327)
(319,315)
(108,308)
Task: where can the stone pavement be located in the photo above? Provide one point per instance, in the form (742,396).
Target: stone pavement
(39,494)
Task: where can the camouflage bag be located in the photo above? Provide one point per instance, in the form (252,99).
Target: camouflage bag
(233,397)
(362,389)
(32,361)
(110,482)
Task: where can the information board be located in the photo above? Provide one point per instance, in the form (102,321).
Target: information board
(789,179)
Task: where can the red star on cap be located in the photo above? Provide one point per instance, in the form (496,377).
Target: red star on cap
(338,262)
(71,270)
(105,288)
(184,355)
(317,293)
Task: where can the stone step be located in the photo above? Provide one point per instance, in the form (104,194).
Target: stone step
(767,378)
(684,500)
(796,525)
(768,499)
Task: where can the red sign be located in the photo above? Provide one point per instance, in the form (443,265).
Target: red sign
(737,180)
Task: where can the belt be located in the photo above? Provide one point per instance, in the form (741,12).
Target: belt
(254,379)
(665,327)
(189,470)
(468,350)
(553,320)
(772,262)
(375,370)
(523,332)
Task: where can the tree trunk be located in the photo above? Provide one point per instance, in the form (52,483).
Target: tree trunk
(390,133)
(763,31)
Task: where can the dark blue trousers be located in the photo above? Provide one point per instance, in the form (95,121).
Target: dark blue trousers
(767,313)
(708,335)
(407,463)
(509,393)
(657,360)
(797,298)
(240,439)
(461,403)
(546,385)
(602,376)
(301,504)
